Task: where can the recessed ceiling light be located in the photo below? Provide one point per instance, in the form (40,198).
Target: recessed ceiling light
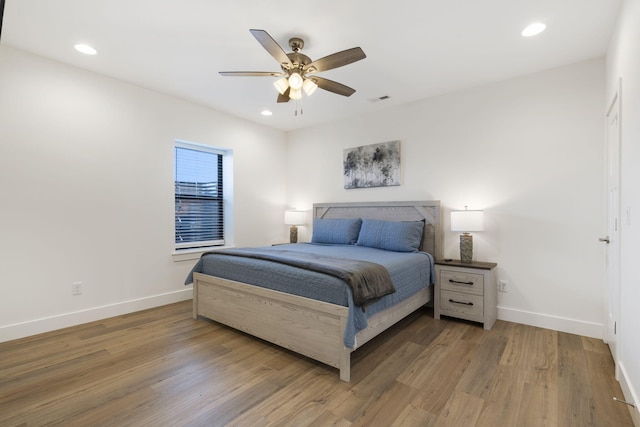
(533,29)
(266,113)
(85,48)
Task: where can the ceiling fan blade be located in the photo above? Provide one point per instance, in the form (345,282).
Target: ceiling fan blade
(250,73)
(285,96)
(336,60)
(272,47)
(1,15)
(332,86)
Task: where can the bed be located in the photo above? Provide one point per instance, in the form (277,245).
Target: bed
(262,305)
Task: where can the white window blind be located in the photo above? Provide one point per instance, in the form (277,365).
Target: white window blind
(199,219)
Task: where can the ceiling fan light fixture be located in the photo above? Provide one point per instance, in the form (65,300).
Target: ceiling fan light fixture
(295,93)
(295,81)
(309,87)
(281,85)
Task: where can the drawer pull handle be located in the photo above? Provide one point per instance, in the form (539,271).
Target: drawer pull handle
(460,302)
(459,282)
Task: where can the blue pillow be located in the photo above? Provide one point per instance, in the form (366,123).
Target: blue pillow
(391,235)
(343,231)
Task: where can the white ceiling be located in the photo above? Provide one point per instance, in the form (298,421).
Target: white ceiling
(415,48)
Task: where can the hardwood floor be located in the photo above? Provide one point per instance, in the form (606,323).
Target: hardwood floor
(160,367)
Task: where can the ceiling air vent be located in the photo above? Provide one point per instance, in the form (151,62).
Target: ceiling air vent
(380,98)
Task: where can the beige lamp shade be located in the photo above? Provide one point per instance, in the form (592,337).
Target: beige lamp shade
(294,217)
(281,85)
(466,221)
(309,87)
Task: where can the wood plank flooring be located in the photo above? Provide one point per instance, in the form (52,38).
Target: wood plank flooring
(160,367)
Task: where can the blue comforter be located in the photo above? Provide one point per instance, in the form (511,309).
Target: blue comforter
(409,271)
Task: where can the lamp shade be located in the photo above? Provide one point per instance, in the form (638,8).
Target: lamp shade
(309,87)
(281,85)
(294,217)
(295,93)
(295,81)
(467,221)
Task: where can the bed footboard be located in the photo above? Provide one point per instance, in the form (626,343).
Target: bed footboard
(309,327)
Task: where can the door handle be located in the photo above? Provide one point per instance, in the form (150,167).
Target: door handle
(605,239)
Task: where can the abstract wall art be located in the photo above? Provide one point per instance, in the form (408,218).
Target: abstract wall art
(376,165)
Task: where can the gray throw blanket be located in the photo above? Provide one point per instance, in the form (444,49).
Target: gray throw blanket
(368,281)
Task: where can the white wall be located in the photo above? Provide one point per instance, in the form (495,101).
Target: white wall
(86,166)
(527,151)
(623,61)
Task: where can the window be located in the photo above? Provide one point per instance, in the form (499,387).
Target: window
(199,203)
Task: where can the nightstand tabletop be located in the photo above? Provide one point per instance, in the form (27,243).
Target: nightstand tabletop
(474,264)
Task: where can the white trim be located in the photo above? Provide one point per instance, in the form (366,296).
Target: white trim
(47,324)
(188,254)
(630,394)
(556,323)
(194,253)
(201,147)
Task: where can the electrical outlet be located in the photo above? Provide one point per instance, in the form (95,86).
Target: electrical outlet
(76,288)
(502,286)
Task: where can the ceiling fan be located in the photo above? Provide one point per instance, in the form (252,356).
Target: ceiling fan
(298,70)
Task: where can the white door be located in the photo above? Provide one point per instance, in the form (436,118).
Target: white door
(612,288)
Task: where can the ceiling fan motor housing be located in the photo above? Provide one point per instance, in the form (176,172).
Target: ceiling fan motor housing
(298,61)
(296,44)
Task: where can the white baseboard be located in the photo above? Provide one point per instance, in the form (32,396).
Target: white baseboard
(38,326)
(562,324)
(630,394)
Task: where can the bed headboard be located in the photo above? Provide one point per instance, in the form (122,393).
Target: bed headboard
(429,211)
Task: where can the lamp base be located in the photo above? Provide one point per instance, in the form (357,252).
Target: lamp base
(466,248)
(293,234)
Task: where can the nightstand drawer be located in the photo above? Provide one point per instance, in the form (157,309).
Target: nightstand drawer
(459,303)
(460,281)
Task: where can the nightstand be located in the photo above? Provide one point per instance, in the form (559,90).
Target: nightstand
(466,291)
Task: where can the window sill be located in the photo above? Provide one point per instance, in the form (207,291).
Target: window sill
(196,253)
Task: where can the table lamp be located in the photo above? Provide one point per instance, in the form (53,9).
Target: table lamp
(294,218)
(466,221)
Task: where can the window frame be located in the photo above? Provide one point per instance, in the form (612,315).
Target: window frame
(202,245)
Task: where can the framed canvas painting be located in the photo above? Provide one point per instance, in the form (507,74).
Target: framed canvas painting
(375,165)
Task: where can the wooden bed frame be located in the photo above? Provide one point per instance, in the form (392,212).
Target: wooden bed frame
(306,326)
